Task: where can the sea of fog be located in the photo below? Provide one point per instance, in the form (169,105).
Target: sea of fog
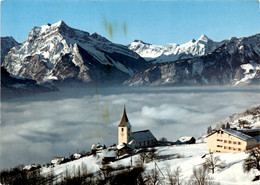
(35,129)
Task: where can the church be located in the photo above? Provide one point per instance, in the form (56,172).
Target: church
(143,138)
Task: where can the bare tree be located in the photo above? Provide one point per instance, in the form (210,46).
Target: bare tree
(252,161)
(212,163)
(163,139)
(200,177)
(227,125)
(174,177)
(154,177)
(209,130)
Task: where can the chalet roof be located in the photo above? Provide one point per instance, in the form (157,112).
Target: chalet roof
(251,132)
(124,121)
(124,146)
(107,153)
(143,135)
(237,133)
(185,138)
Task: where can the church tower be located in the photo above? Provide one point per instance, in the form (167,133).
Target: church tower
(124,129)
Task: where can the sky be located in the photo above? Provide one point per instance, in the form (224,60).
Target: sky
(156,22)
(37,128)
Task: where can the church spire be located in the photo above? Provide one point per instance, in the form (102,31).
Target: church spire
(124,121)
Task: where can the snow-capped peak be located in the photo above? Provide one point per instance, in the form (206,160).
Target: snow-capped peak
(173,52)
(204,38)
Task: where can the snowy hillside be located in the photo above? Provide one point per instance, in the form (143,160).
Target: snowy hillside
(184,156)
(59,52)
(250,117)
(174,52)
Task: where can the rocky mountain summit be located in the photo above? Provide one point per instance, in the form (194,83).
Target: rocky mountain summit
(58,52)
(173,52)
(235,62)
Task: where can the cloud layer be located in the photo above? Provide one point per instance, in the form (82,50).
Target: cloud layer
(35,129)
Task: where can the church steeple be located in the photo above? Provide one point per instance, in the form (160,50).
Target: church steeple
(124,129)
(124,121)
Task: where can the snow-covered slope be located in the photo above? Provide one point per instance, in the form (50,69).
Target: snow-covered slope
(235,62)
(6,44)
(173,52)
(250,116)
(184,156)
(59,52)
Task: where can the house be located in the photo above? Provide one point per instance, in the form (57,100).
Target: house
(109,156)
(185,140)
(143,138)
(233,141)
(57,160)
(124,148)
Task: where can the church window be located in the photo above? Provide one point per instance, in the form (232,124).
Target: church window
(122,129)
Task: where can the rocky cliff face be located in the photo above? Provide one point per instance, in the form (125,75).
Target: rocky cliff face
(6,44)
(60,53)
(235,62)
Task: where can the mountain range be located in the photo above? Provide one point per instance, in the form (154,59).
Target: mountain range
(61,54)
(173,52)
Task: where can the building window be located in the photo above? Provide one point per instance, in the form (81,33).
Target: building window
(219,140)
(234,142)
(229,148)
(229,142)
(225,147)
(239,149)
(239,143)
(234,148)
(225,141)
(122,129)
(218,151)
(219,146)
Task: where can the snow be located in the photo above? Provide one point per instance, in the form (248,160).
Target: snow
(184,156)
(173,52)
(107,153)
(250,71)
(185,138)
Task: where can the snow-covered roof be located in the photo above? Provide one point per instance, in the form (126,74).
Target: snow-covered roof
(143,135)
(185,138)
(76,156)
(55,160)
(122,145)
(238,134)
(124,121)
(249,131)
(111,153)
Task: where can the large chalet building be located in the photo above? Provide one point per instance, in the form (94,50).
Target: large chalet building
(233,141)
(143,138)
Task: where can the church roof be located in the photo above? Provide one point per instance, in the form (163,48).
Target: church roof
(143,135)
(124,121)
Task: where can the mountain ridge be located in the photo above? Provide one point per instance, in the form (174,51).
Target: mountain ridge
(235,62)
(58,52)
(173,52)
